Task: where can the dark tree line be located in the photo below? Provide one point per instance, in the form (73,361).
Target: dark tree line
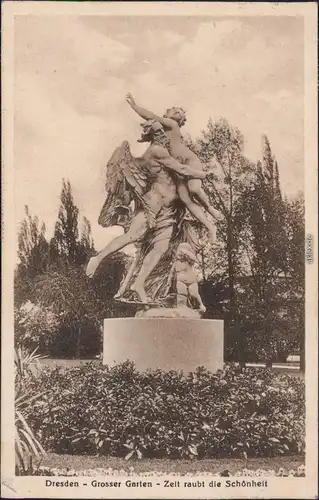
(253,278)
(51,275)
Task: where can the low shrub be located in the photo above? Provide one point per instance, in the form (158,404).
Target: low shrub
(120,412)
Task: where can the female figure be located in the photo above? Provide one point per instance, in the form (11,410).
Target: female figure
(188,189)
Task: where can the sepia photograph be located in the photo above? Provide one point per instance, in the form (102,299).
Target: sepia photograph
(160,242)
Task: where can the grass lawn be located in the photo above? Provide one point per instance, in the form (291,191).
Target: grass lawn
(81,462)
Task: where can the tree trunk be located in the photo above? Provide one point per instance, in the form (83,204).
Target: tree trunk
(233,315)
(232,300)
(269,323)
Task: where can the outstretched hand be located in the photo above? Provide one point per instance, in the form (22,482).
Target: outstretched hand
(130,99)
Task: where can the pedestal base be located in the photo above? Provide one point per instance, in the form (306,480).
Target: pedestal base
(165,343)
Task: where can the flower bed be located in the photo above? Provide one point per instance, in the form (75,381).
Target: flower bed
(123,413)
(54,471)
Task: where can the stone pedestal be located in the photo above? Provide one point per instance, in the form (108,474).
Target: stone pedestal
(174,343)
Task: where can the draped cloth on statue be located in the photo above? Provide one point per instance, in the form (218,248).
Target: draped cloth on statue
(170,224)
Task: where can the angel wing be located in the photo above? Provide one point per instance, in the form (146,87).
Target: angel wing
(126,180)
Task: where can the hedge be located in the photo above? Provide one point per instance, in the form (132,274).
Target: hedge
(92,409)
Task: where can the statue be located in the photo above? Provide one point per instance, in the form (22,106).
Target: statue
(186,278)
(155,222)
(149,197)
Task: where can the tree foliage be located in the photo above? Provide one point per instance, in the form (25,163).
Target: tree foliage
(32,244)
(67,245)
(221,149)
(259,261)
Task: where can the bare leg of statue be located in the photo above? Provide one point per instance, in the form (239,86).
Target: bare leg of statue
(151,260)
(195,188)
(129,274)
(136,231)
(194,293)
(196,210)
(182,294)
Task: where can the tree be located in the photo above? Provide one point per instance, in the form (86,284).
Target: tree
(33,253)
(32,244)
(295,231)
(86,236)
(271,288)
(71,297)
(81,304)
(66,233)
(68,248)
(86,243)
(221,149)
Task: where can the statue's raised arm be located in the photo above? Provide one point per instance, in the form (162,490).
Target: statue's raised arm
(167,123)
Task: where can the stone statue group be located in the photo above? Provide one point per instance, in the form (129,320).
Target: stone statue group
(156,198)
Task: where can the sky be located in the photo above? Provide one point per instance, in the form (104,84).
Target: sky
(72,74)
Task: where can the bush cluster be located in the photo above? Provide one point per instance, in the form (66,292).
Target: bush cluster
(120,412)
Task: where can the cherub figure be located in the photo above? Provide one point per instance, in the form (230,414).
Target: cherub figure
(187,281)
(189,189)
